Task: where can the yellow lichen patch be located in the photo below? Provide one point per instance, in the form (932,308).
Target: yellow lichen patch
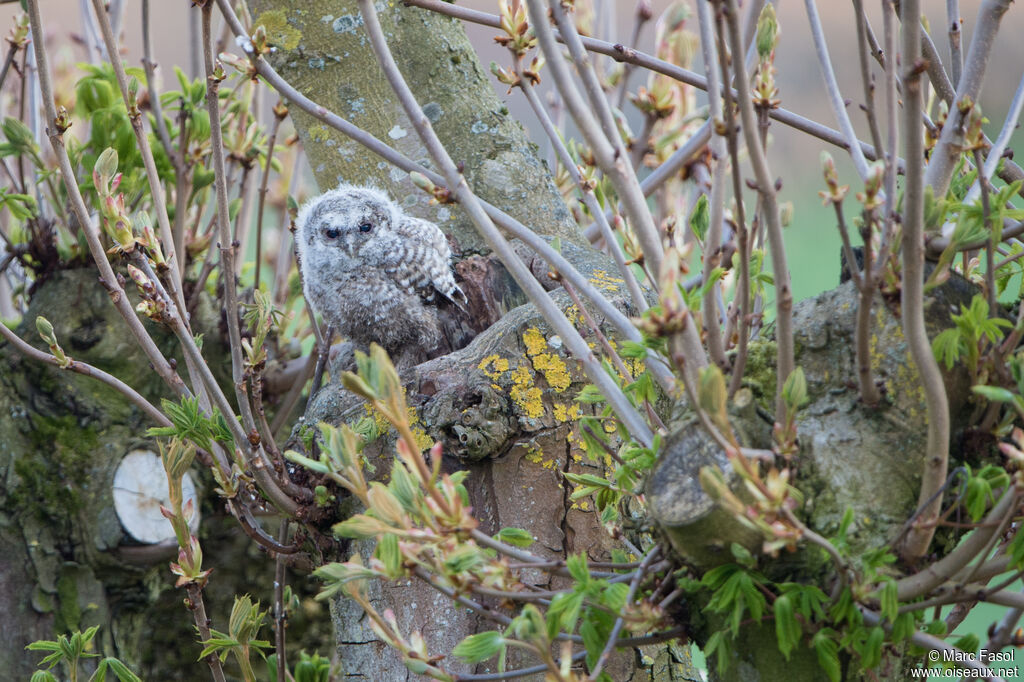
(493,366)
(527,396)
(279,32)
(423,441)
(564,413)
(379,420)
(535,341)
(602,280)
(554,370)
(534,454)
(549,364)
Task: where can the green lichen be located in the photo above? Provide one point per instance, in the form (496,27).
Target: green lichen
(69,615)
(279,32)
(760,375)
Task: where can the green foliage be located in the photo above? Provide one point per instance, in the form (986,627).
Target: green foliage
(700,218)
(190,424)
(972,327)
(241,638)
(71,651)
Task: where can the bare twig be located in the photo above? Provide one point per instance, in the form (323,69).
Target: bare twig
(600,132)
(953,22)
(88,370)
(716,198)
(280,111)
(634,585)
(589,200)
(835,98)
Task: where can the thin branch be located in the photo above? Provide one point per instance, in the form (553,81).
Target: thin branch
(835,98)
(646,61)
(280,111)
(280,614)
(88,370)
(259,462)
(953,22)
(600,133)
(995,152)
(891,141)
(922,639)
(948,567)
(716,198)
(589,199)
(634,585)
(933,476)
(640,17)
(866,77)
(990,246)
(156,187)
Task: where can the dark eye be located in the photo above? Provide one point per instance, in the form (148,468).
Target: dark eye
(332,232)
(365,227)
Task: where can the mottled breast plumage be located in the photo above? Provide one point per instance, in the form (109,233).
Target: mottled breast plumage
(372,271)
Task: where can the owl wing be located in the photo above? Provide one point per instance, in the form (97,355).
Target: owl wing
(423,262)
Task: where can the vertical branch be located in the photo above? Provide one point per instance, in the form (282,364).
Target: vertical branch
(177,157)
(625,411)
(280,614)
(990,244)
(589,199)
(919,537)
(769,201)
(641,17)
(888,228)
(953,22)
(713,239)
(867,80)
(280,111)
(835,98)
(611,157)
(740,317)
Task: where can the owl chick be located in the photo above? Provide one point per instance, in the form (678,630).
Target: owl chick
(372,271)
